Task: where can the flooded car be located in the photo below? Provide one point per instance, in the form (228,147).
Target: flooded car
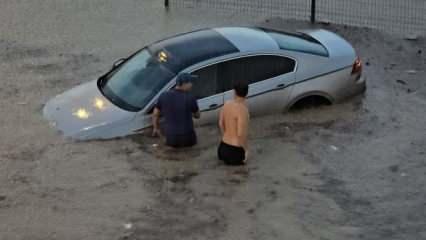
(281,68)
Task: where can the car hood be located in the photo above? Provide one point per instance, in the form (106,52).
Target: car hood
(81,109)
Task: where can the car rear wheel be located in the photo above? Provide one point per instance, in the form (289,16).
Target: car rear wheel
(308,102)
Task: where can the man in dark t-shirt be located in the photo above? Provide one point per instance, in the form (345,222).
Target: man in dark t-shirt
(177,106)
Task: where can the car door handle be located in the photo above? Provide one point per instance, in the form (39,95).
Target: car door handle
(281,85)
(213,105)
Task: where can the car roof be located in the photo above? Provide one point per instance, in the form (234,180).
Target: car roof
(248,39)
(184,50)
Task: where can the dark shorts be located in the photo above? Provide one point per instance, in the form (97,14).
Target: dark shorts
(179,141)
(231,155)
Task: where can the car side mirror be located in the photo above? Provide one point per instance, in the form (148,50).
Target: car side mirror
(118,62)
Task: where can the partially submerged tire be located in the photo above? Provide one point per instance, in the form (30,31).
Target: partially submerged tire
(308,102)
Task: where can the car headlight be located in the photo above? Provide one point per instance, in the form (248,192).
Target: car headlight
(82,113)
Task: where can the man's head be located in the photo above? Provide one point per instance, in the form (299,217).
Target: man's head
(241,89)
(184,81)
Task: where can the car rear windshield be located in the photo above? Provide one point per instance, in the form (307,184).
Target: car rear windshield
(297,42)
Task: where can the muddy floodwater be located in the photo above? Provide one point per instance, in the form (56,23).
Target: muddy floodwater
(355,170)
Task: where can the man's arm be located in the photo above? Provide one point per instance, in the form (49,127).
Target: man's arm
(195,109)
(222,121)
(156,116)
(156,122)
(242,128)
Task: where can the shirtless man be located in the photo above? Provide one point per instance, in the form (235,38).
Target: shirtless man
(233,122)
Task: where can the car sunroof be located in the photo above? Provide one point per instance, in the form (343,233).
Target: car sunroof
(184,50)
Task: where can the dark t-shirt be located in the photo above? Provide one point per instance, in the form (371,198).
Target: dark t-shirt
(177,108)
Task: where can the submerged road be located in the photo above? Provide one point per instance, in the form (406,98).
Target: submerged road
(349,171)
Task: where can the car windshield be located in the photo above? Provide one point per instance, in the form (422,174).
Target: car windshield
(134,83)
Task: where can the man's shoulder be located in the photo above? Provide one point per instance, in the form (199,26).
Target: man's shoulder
(189,94)
(228,103)
(233,104)
(191,97)
(243,108)
(167,94)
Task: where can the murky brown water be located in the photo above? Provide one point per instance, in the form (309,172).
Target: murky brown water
(353,170)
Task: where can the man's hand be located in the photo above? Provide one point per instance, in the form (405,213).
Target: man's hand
(156,122)
(196,115)
(246,157)
(156,132)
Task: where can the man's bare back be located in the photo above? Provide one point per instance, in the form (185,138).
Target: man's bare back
(234,120)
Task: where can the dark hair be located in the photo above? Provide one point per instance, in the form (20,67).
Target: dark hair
(241,89)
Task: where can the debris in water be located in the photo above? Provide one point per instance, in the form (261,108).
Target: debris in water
(403,174)
(242,172)
(394,168)
(334,148)
(128,226)
(409,90)
(401,82)
(250,211)
(412,37)
(235,180)
(136,154)
(184,177)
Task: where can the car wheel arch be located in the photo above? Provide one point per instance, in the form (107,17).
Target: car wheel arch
(307,95)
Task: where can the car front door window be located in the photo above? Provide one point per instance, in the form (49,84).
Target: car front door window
(206,84)
(207,90)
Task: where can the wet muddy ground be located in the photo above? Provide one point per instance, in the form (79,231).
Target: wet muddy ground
(355,170)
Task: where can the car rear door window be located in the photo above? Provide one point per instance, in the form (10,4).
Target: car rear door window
(253,69)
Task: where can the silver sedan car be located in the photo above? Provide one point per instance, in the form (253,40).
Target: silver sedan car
(281,68)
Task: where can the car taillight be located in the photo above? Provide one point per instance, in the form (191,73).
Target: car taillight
(357,67)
